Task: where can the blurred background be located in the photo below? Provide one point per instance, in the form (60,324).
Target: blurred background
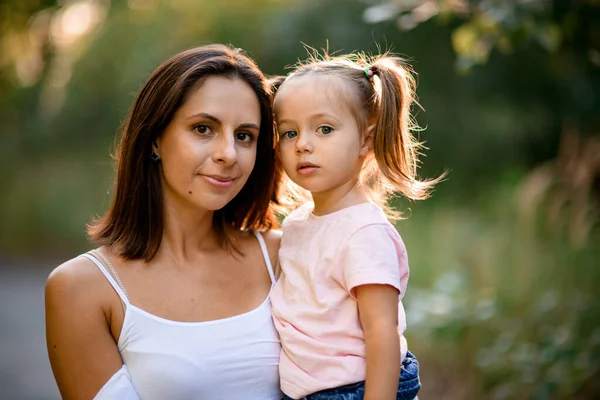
(505,258)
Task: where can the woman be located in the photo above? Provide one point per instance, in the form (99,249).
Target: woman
(174,303)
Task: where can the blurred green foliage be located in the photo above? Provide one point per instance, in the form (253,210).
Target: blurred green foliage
(498,309)
(504,258)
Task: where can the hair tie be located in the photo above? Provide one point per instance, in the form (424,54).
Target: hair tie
(368,73)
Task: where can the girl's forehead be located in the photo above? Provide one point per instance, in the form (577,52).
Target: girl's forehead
(331,89)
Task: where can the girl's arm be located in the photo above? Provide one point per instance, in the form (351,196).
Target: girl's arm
(82,351)
(378,312)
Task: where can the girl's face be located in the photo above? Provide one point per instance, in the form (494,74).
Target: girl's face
(208,149)
(321,145)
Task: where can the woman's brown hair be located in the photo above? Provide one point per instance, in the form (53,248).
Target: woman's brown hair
(381,94)
(133,225)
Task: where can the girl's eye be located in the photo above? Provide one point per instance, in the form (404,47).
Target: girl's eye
(202,129)
(244,136)
(289,134)
(325,130)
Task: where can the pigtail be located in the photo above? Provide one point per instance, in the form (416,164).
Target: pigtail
(395,148)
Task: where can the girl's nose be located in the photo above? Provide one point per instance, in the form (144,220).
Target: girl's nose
(304,144)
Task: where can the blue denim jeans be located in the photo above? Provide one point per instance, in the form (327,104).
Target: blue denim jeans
(408,387)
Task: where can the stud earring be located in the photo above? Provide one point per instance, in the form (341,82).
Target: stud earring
(154,156)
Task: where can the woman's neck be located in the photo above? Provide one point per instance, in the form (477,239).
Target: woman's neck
(187,231)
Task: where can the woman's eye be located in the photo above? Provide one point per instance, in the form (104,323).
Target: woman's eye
(325,130)
(202,129)
(289,134)
(244,136)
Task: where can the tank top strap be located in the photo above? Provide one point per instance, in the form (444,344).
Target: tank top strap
(265,253)
(96,257)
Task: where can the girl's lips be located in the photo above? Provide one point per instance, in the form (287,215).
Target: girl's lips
(307,170)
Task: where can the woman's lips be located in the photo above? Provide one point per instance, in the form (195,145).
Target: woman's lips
(218,181)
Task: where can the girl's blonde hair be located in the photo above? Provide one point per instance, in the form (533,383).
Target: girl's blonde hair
(382,94)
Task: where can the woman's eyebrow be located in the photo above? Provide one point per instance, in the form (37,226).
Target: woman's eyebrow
(249,125)
(205,115)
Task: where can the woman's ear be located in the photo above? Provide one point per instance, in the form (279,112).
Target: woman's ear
(367,144)
(155,155)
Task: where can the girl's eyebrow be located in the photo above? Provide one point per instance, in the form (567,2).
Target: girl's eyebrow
(284,121)
(312,117)
(324,115)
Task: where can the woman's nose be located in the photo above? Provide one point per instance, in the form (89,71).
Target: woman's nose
(224,150)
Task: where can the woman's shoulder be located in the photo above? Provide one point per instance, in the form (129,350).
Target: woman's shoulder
(273,241)
(78,312)
(272,238)
(76,280)
(74,272)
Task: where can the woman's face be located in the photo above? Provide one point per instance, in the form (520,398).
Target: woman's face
(208,149)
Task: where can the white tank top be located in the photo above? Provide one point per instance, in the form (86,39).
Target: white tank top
(230,358)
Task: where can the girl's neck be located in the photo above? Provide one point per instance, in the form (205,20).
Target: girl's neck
(338,198)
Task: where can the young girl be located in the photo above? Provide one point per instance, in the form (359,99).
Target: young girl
(344,129)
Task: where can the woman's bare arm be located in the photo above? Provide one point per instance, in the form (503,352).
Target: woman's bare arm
(82,351)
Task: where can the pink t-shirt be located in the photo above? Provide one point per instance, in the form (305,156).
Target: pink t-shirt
(323,258)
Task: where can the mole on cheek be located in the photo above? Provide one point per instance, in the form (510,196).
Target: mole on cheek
(190,192)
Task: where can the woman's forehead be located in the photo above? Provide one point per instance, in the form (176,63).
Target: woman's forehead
(232,97)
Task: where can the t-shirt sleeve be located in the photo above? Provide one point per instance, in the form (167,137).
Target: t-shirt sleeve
(375,254)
